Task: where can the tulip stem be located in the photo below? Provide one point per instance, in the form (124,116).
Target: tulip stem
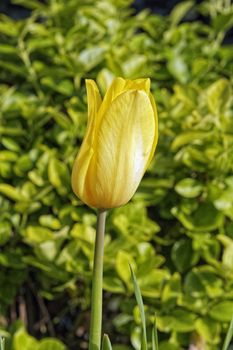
(97,282)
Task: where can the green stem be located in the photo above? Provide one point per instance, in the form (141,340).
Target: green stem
(97,281)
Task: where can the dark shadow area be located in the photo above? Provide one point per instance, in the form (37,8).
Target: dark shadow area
(14,11)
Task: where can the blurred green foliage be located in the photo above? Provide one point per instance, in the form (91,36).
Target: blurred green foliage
(178,231)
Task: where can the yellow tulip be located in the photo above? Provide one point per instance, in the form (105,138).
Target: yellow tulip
(120,141)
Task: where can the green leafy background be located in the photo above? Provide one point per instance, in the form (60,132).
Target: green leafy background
(177,232)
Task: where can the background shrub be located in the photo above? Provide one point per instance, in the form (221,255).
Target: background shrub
(178,230)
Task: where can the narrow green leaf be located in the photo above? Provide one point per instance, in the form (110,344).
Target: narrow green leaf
(229,336)
(155,345)
(10,192)
(141,309)
(11,131)
(106,344)
(179,11)
(2,343)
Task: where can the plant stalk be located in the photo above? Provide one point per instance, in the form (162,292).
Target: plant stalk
(97,282)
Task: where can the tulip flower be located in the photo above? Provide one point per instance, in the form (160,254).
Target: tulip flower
(119,144)
(120,141)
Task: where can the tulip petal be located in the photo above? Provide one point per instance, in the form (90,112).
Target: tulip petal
(85,153)
(115,89)
(80,169)
(118,86)
(156,130)
(122,148)
(94,99)
(138,84)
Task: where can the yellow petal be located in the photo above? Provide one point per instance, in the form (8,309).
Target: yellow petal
(85,153)
(122,149)
(138,84)
(80,169)
(156,130)
(118,86)
(94,99)
(115,89)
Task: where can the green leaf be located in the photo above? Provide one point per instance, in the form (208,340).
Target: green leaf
(152,282)
(179,11)
(47,250)
(227,257)
(222,311)
(23,165)
(179,320)
(133,66)
(136,338)
(50,221)
(50,344)
(228,336)
(5,232)
(172,290)
(2,343)
(203,281)
(8,27)
(113,284)
(208,329)
(177,66)
(37,234)
(155,345)
(10,131)
(141,309)
(123,260)
(12,67)
(8,156)
(12,259)
(218,95)
(64,87)
(183,320)
(8,49)
(22,340)
(58,175)
(193,285)
(223,21)
(165,345)
(183,255)
(104,79)
(106,344)
(10,192)
(189,137)
(224,200)
(189,188)
(91,57)
(30,4)
(205,218)
(60,118)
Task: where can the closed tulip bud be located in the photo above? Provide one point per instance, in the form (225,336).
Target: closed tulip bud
(119,144)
